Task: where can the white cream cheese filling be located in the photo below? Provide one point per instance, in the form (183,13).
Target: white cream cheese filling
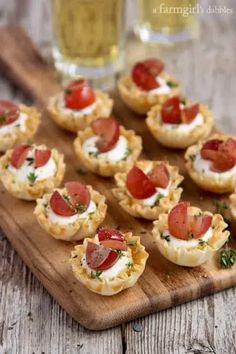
(74,112)
(21,174)
(122,264)
(19,123)
(117,153)
(183,127)
(175,242)
(203,166)
(163,89)
(66,220)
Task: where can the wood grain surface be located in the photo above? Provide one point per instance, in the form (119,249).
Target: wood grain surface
(163,284)
(30,320)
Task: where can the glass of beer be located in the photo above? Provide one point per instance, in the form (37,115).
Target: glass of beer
(167,21)
(88,37)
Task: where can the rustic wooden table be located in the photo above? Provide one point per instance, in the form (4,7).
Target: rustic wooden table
(30,320)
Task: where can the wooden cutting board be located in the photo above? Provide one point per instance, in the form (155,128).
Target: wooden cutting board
(162,284)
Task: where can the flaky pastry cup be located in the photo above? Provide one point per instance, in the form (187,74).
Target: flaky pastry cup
(124,280)
(77,230)
(69,122)
(103,167)
(137,209)
(173,138)
(141,101)
(194,256)
(29,191)
(232,200)
(17,136)
(219,186)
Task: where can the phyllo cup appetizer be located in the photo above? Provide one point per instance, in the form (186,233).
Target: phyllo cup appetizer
(211,164)
(29,171)
(78,105)
(179,123)
(189,237)
(148,189)
(149,84)
(71,213)
(17,123)
(110,262)
(106,148)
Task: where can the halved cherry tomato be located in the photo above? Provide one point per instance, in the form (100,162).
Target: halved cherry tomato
(189,113)
(171,112)
(229,146)
(9,112)
(159,176)
(60,206)
(210,148)
(19,155)
(199,224)
(110,234)
(143,78)
(223,162)
(79,194)
(41,157)
(138,184)
(78,94)
(114,244)
(178,220)
(99,257)
(154,66)
(108,130)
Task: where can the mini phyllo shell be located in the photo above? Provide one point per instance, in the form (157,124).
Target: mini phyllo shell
(17,123)
(212,164)
(148,189)
(29,171)
(147,86)
(106,148)
(110,262)
(71,213)
(189,237)
(179,123)
(79,104)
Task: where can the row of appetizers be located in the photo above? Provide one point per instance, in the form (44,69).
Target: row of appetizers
(112,261)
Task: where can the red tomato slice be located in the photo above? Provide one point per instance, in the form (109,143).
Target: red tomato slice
(138,184)
(19,155)
(189,113)
(78,95)
(178,221)
(60,206)
(79,194)
(159,176)
(223,162)
(229,146)
(41,157)
(108,130)
(143,78)
(114,244)
(198,225)
(110,234)
(171,112)
(154,66)
(9,112)
(210,148)
(99,257)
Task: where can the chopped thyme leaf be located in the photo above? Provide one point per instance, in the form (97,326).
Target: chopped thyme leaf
(171,84)
(96,275)
(45,205)
(30,160)
(202,243)
(227,257)
(129,264)
(32,177)
(183,101)
(80,208)
(192,157)
(2,118)
(159,196)
(127,153)
(165,237)
(120,253)
(66,197)
(94,154)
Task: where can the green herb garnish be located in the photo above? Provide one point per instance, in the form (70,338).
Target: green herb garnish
(127,153)
(129,264)
(96,275)
(202,243)
(80,208)
(94,154)
(227,257)
(120,253)
(172,84)
(159,196)
(165,237)
(183,101)
(192,157)
(190,236)
(30,160)
(32,177)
